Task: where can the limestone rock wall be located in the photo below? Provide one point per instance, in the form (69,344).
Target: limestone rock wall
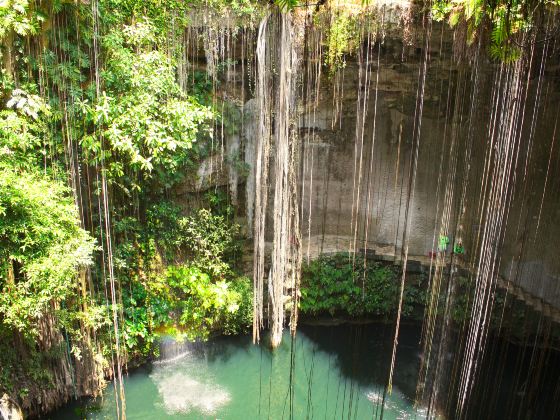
(368,210)
(355,184)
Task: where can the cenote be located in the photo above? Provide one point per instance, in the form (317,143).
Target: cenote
(280,209)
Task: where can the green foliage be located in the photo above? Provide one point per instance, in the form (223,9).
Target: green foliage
(140,319)
(43,248)
(462,305)
(340,286)
(203,305)
(18,16)
(148,134)
(159,300)
(441,10)
(210,241)
(286,5)
(245,10)
(218,202)
(507,19)
(341,40)
(162,224)
(187,302)
(34,372)
(329,284)
(172,15)
(240,320)
(201,87)
(231,117)
(505,23)
(149,124)
(24,131)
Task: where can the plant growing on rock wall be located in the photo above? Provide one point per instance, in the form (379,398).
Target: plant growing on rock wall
(507,20)
(149,125)
(43,248)
(85,109)
(150,258)
(210,241)
(24,136)
(341,40)
(201,305)
(342,285)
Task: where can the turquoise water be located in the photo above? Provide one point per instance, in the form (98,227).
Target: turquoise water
(337,374)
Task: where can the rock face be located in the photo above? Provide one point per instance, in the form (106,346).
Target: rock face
(357,181)
(362,129)
(68,376)
(42,382)
(9,410)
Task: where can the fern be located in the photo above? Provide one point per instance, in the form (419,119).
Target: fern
(499,29)
(506,53)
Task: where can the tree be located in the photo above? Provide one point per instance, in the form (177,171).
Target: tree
(43,248)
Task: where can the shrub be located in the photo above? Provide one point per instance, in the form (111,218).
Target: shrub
(210,241)
(202,306)
(344,285)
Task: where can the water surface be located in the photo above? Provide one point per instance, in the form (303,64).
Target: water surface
(337,373)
